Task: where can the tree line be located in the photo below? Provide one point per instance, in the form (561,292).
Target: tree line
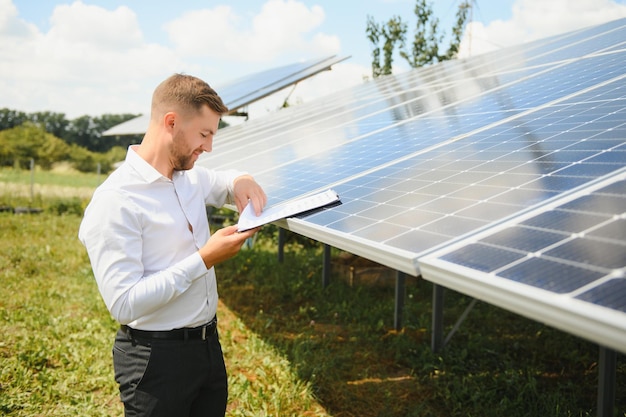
(49,137)
(85,131)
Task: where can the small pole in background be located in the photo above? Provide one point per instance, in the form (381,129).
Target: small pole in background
(32,180)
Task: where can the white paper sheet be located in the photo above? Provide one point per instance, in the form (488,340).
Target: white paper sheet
(249,220)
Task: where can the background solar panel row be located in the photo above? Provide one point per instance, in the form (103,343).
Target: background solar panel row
(245,90)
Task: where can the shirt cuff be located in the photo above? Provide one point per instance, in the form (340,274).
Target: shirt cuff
(195,266)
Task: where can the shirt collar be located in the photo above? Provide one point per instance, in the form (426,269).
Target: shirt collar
(143,168)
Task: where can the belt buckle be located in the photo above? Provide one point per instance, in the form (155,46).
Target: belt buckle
(204,332)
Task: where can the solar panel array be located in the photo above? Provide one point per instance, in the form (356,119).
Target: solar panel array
(426,159)
(245,90)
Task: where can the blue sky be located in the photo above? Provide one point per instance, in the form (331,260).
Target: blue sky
(106,56)
(345,18)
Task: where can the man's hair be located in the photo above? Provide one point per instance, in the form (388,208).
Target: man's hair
(187,94)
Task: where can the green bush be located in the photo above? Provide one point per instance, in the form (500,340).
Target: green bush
(19,145)
(28,141)
(83,160)
(66,206)
(87,161)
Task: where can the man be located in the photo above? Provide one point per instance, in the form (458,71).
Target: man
(147,236)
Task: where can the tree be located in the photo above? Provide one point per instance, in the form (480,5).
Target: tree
(11,118)
(83,132)
(86,131)
(392,32)
(457,30)
(54,123)
(426,39)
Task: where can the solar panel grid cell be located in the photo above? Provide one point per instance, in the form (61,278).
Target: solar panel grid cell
(551,276)
(575,234)
(611,294)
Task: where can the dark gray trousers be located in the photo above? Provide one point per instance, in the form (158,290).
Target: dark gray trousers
(170,378)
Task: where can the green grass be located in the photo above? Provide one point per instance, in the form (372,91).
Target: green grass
(55,353)
(341,339)
(56,333)
(292,347)
(62,176)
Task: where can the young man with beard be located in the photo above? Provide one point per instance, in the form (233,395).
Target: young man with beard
(147,235)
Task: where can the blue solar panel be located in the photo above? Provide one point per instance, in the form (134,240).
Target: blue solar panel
(434,196)
(570,255)
(611,294)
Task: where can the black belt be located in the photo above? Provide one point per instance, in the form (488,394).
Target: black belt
(201,332)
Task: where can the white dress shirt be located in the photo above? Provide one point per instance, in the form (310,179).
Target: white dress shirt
(142,232)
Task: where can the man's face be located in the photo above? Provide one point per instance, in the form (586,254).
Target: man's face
(192,137)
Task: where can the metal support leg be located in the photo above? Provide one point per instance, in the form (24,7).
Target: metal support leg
(281,244)
(606,382)
(399,307)
(437,330)
(326,267)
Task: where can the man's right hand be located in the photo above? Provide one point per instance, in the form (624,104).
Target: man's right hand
(224,244)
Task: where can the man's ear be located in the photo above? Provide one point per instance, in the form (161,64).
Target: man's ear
(169,120)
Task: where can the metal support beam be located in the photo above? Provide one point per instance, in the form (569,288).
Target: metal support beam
(326,267)
(400,292)
(606,382)
(460,321)
(437,324)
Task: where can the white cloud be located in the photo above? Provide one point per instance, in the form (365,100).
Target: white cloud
(283,28)
(536,19)
(87,25)
(94,60)
(11,26)
(91,61)
(207,32)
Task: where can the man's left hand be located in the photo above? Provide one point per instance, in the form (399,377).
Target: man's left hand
(247,189)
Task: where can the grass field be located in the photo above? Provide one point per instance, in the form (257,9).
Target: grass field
(292,347)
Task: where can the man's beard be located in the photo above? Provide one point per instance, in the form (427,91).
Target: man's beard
(180,156)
